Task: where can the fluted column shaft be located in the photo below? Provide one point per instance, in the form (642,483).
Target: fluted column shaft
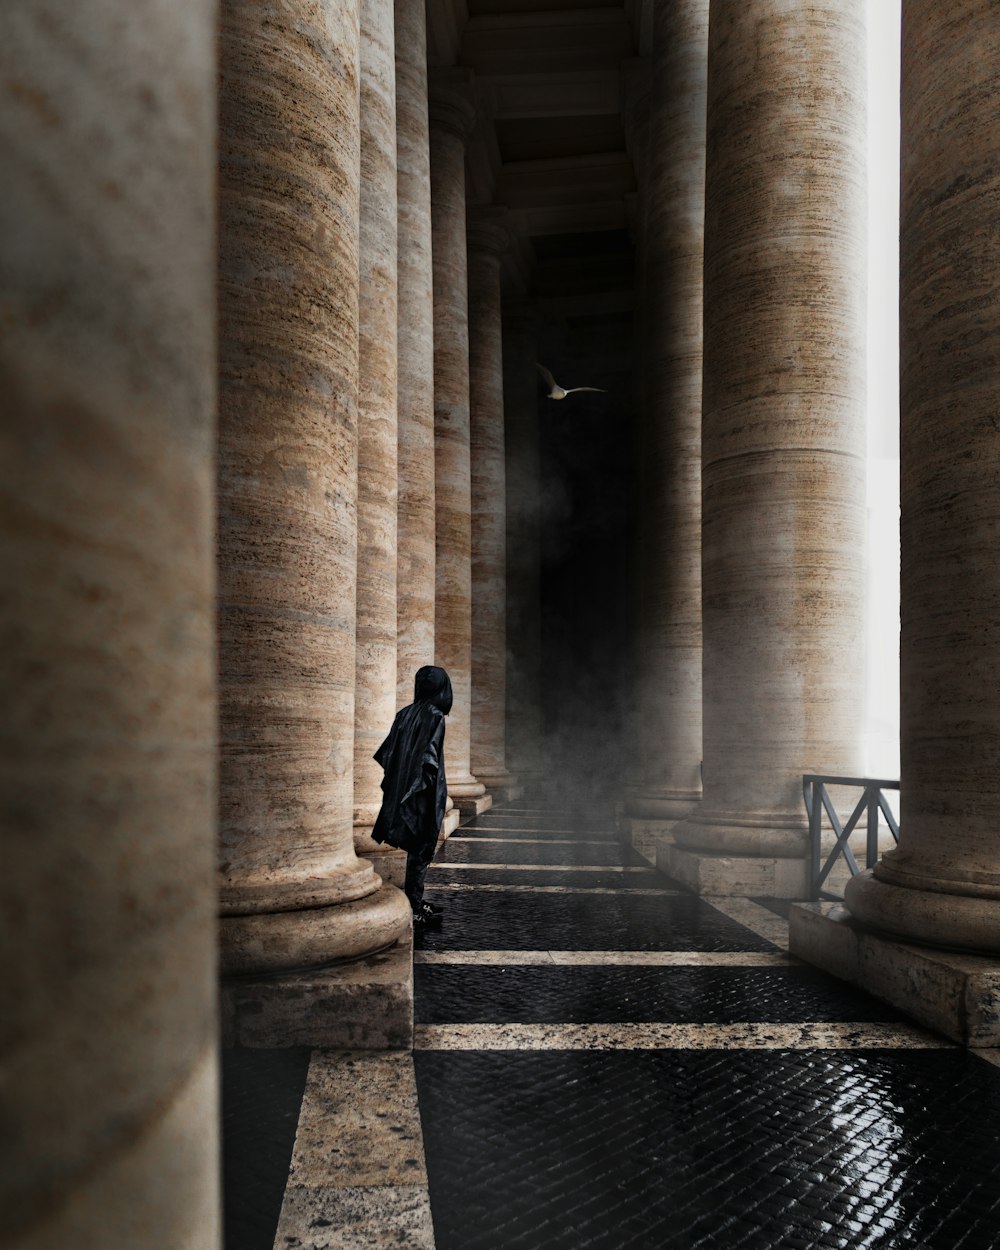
(415,359)
(375,688)
(523,481)
(107,373)
(783,416)
(451,119)
(488,240)
(942,884)
(670,702)
(293,890)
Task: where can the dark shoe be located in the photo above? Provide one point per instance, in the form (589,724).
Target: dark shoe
(424,917)
(436,908)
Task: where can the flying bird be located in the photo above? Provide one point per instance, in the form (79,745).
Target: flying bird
(560,392)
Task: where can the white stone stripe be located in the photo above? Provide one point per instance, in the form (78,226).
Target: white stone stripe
(609,834)
(621,959)
(446,867)
(358,1160)
(652,1036)
(493,888)
(464,837)
(759,920)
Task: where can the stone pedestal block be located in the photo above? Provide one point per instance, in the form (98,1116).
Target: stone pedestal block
(766,876)
(953,992)
(365,1005)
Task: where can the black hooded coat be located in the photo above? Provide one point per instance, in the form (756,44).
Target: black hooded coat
(414,787)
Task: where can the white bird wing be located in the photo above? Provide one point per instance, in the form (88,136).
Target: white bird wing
(571,389)
(553,384)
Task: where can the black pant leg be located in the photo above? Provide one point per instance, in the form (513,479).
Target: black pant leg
(417,863)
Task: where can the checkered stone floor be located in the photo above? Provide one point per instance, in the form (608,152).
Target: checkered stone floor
(604,1062)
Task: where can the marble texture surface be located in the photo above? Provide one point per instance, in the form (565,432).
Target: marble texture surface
(643,1036)
(488,240)
(942,885)
(415,565)
(107,377)
(357,1177)
(369,1218)
(452,116)
(359,1124)
(669,696)
(375,634)
(543,889)
(783,442)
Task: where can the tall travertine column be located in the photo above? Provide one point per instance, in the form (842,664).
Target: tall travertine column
(415,358)
(524,541)
(452,117)
(375,689)
(670,699)
(293,890)
(783,433)
(942,884)
(107,372)
(487,241)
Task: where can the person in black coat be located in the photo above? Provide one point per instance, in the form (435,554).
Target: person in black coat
(414,787)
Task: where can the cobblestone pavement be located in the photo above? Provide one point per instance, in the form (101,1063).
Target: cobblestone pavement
(604,1062)
(740,1142)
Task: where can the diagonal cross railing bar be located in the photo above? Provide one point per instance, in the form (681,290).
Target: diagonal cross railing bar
(871,804)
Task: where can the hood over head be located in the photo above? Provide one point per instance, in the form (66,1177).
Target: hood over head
(433,685)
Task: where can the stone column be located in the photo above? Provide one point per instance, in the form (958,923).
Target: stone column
(487,241)
(783,440)
(942,884)
(670,699)
(523,478)
(452,116)
(107,372)
(294,893)
(375,681)
(415,361)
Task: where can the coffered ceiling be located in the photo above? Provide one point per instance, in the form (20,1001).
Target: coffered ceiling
(554,82)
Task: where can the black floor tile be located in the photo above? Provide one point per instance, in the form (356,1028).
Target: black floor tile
(261,1096)
(525,852)
(480,920)
(451,870)
(448,994)
(745,1150)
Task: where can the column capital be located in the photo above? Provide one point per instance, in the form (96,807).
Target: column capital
(451,104)
(488,230)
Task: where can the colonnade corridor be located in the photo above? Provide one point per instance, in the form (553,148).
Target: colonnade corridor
(602,1059)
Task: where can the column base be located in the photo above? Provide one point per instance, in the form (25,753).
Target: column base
(364,1005)
(955,994)
(672,805)
(734,875)
(263,943)
(452,820)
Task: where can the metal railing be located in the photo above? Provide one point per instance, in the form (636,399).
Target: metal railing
(871,804)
